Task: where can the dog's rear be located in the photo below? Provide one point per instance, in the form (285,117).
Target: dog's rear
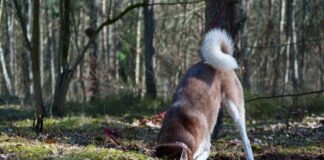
(188,124)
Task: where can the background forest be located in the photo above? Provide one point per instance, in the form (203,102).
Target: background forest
(124,59)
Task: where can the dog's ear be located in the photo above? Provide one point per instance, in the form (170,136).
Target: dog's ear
(184,155)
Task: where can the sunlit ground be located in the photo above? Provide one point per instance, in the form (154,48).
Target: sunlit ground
(81,136)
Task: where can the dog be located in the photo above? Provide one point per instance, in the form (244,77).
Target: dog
(211,83)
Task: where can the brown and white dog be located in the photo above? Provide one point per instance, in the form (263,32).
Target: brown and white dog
(189,123)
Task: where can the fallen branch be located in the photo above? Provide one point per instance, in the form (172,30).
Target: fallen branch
(110,135)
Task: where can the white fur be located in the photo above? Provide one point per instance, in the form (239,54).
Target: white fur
(239,120)
(211,50)
(203,150)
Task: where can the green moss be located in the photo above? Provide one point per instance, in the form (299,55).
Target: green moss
(25,149)
(311,149)
(93,153)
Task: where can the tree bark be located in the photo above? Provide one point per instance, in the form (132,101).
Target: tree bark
(148,13)
(37,94)
(293,48)
(5,73)
(26,73)
(50,48)
(10,52)
(63,77)
(138,49)
(3,62)
(245,7)
(278,48)
(303,58)
(287,64)
(94,84)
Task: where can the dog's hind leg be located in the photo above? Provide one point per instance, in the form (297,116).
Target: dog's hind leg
(238,115)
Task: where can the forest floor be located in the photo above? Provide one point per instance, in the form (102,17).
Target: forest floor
(112,137)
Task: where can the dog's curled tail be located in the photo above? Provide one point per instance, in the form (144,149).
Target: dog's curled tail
(217,50)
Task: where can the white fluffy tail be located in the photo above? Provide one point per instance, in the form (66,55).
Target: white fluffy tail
(217,50)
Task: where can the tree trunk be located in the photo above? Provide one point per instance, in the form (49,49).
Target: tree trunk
(37,94)
(94,82)
(138,50)
(5,72)
(50,48)
(61,88)
(293,48)
(303,58)
(287,65)
(26,74)
(278,49)
(149,50)
(10,54)
(64,76)
(245,6)
(3,62)
(108,38)
(81,65)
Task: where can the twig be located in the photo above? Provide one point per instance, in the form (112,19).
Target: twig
(174,3)
(102,25)
(285,95)
(285,44)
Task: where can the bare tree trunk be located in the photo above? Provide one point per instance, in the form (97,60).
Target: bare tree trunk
(3,60)
(94,84)
(52,53)
(303,58)
(108,38)
(81,65)
(26,74)
(287,64)
(278,49)
(149,50)
(50,48)
(138,49)
(6,76)
(37,95)
(64,76)
(10,47)
(115,42)
(294,54)
(245,7)
(28,35)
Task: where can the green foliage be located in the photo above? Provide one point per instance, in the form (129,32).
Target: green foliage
(263,108)
(122,56)
(316,104)
(286,107)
